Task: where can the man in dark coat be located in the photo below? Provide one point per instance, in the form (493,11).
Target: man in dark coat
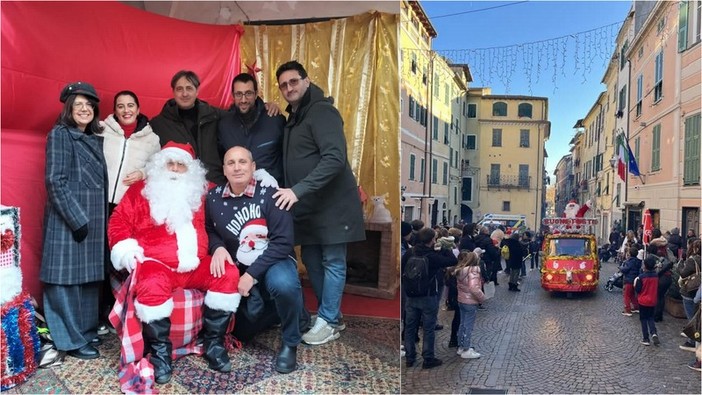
(492,253)
(320,184)
(514,263)
(186,119)
(424,307)
(675,242)
(247,124)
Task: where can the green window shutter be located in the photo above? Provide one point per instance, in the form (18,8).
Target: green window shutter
(682,26)
(691,159)
(656,149)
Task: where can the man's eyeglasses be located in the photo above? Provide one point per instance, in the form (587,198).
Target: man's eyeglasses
(82,104)
(248,94)
(293,82)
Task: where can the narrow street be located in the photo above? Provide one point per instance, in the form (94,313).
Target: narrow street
(536,342)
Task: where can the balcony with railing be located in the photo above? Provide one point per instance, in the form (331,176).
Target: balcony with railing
(508,182)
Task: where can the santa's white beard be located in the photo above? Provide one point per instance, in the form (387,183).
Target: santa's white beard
(173,197)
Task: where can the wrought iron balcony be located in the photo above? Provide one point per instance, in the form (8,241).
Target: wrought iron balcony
(508,182)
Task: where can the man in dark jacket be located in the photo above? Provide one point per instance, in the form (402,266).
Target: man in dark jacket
(514,263)
(424,307)
(186,119)
(319,183)
(675,242)
(467,241)
(492,253)
(248,125)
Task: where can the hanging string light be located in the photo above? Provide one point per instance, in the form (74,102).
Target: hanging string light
(578,51)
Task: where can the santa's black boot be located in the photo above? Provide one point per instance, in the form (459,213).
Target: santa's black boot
(156,335)
(216,322)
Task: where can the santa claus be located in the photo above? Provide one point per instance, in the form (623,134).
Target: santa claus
(158,229)
(574,210)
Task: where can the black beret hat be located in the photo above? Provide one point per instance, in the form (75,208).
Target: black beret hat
(78,88)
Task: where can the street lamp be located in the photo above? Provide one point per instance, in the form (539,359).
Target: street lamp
(613,161)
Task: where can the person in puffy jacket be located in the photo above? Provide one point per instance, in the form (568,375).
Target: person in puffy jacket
(664,266)
(630,269)
(646,286)
(128,143)
(470,295)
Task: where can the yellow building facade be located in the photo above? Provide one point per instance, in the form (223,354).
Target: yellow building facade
(512,131)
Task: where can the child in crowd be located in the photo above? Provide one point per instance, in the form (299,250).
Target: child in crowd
(467,274)
(630,269)
(646,286)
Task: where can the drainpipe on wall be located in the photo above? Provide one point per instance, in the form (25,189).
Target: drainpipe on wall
(429,140)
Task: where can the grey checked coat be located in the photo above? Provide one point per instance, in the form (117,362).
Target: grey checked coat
(76,195)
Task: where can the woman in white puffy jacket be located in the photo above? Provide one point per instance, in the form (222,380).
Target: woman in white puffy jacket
(470,295)
(128,143)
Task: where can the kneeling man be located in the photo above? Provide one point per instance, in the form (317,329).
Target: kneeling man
(160,226)
(243,222)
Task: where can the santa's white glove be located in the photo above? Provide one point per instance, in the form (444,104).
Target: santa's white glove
(265,179)
(126,254)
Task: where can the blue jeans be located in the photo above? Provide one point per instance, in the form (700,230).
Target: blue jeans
(326,269)
(283,284)
(465,331)
(689,306)
(426,308)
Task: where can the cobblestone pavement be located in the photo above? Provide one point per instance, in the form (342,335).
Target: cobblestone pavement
(536,342)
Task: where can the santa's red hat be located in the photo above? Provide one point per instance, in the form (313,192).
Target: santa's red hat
(256,226)
(178,151)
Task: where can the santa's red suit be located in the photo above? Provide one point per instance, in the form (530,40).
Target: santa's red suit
(170,260)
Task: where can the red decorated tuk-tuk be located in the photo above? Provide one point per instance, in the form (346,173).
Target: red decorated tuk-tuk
(570,262)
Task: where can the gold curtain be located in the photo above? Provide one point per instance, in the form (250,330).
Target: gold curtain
(354,60)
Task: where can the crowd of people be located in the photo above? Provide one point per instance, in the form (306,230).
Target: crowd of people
(204,198)
(468,258)
(462,261)
(648,273)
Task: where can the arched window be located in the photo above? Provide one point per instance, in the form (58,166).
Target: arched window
(499,109)
(524,110)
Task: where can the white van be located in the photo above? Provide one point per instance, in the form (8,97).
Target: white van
(508,221)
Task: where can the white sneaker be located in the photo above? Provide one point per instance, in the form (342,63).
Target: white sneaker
(470,354)
(460,351)
(320,333)
(402,353)
(339,327)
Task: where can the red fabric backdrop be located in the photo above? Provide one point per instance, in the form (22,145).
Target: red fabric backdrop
(45,45)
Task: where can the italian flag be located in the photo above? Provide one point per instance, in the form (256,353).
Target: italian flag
(622,157)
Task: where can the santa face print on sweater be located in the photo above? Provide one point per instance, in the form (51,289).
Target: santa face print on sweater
(253,240)
(249,226)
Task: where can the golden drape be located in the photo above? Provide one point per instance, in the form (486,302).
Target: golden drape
(354,60)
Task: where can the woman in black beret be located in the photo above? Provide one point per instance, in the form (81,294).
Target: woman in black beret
(74,223)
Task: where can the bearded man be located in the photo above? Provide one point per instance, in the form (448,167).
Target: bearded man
(159,226)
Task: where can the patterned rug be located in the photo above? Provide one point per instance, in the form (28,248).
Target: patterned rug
(364,360)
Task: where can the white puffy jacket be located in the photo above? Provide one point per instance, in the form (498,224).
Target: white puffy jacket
(124,156)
